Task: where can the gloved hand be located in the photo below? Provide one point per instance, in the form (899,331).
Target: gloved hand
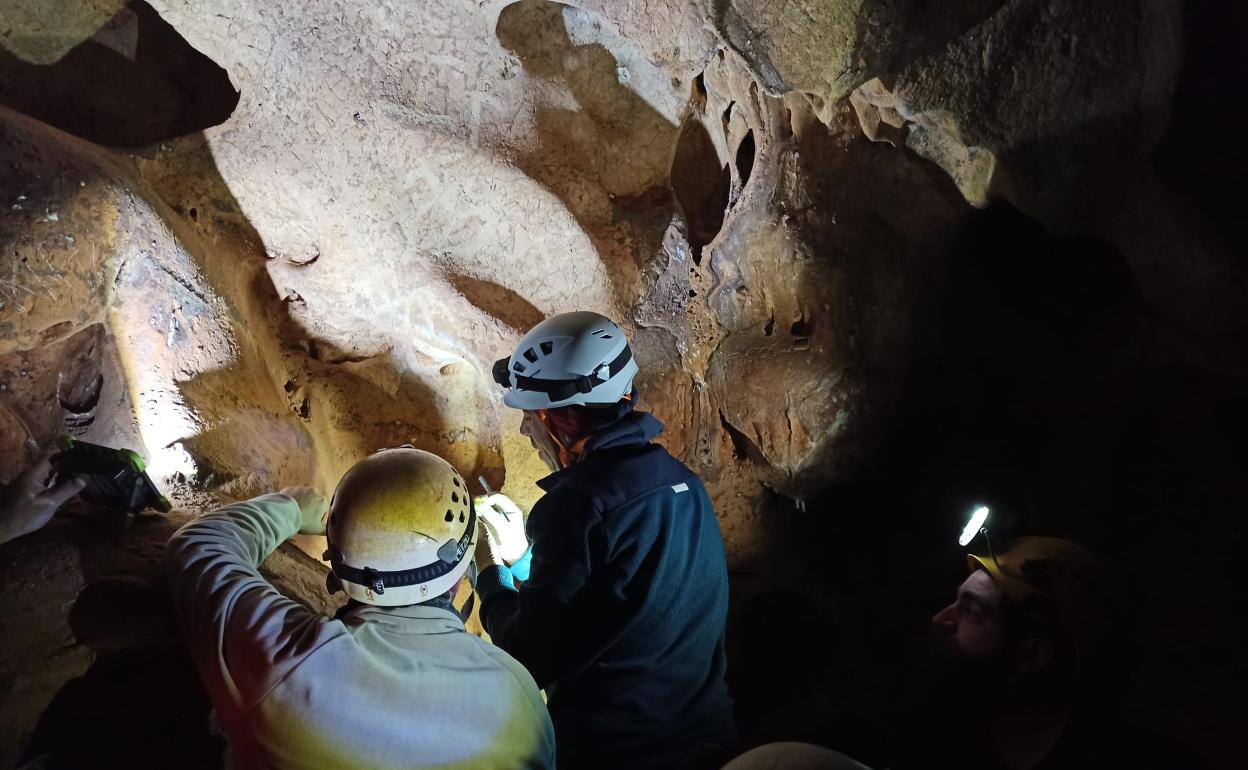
(313,509)
(504,527)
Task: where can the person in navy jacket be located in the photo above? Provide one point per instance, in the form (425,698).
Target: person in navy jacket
(614,594)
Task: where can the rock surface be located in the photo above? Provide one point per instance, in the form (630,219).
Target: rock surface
(258,240)
(460,163)
(93,672)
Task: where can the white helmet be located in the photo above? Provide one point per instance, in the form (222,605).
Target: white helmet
(401,528)
(572,358)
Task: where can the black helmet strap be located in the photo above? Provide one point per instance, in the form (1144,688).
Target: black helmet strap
(558,390)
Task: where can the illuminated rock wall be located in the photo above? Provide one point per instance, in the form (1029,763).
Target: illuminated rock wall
(258,240)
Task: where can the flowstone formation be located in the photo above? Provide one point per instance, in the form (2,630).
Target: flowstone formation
(257,241)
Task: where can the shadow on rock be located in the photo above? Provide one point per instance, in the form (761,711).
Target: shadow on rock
(498,301)
(134,82)
(604,158)
(139,704)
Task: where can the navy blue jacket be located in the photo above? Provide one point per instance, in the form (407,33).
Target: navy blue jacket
(621,617)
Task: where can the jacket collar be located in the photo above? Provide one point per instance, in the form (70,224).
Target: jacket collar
(633,429)
(412,619)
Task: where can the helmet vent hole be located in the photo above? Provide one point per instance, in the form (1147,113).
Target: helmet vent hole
(606,336)
(461,517)
(449,516)
(547,348)
(454,497)
(519,367)
(455,480)
(530,355)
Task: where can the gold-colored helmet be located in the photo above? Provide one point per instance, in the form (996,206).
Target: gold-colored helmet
(401,528)
(1084,588)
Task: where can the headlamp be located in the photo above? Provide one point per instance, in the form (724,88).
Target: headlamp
(501,374)
(974,525)
(977,525)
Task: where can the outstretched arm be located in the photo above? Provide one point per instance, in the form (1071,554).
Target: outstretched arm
(243,635)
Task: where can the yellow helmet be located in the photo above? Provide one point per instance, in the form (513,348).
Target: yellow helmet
(1084,588)
(401,528)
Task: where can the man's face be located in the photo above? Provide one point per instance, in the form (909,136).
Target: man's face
(539,436)
(973,622)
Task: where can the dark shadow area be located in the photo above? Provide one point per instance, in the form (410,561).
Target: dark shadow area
(743,447)
(115,613)
(498,301)
(582,155)
(1030,363)
(1041,391)
(140,708)
(139,705)
(791,639)
(698,92)
(135,82)
(701,185)
(1197,157)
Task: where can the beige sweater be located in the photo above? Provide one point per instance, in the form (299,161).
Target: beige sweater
(384,688)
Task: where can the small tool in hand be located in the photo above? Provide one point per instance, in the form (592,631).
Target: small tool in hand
(486,486)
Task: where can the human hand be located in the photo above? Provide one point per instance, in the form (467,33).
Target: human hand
(504,526)
(484,555)
(35,497)
(313,509)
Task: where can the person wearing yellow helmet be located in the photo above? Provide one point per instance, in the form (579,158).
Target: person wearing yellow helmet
(1038,641)
(1009,630)
(1076,586)
(394,681)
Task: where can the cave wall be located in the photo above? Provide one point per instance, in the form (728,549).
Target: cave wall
(875,258)
(94,672)
(500,166)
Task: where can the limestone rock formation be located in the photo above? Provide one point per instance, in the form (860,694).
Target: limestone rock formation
(540,135)
(258,240)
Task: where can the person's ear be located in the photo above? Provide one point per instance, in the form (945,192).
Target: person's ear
(553,429)
(1035,655)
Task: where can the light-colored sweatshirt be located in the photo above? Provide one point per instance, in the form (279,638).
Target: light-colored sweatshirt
(383,688)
